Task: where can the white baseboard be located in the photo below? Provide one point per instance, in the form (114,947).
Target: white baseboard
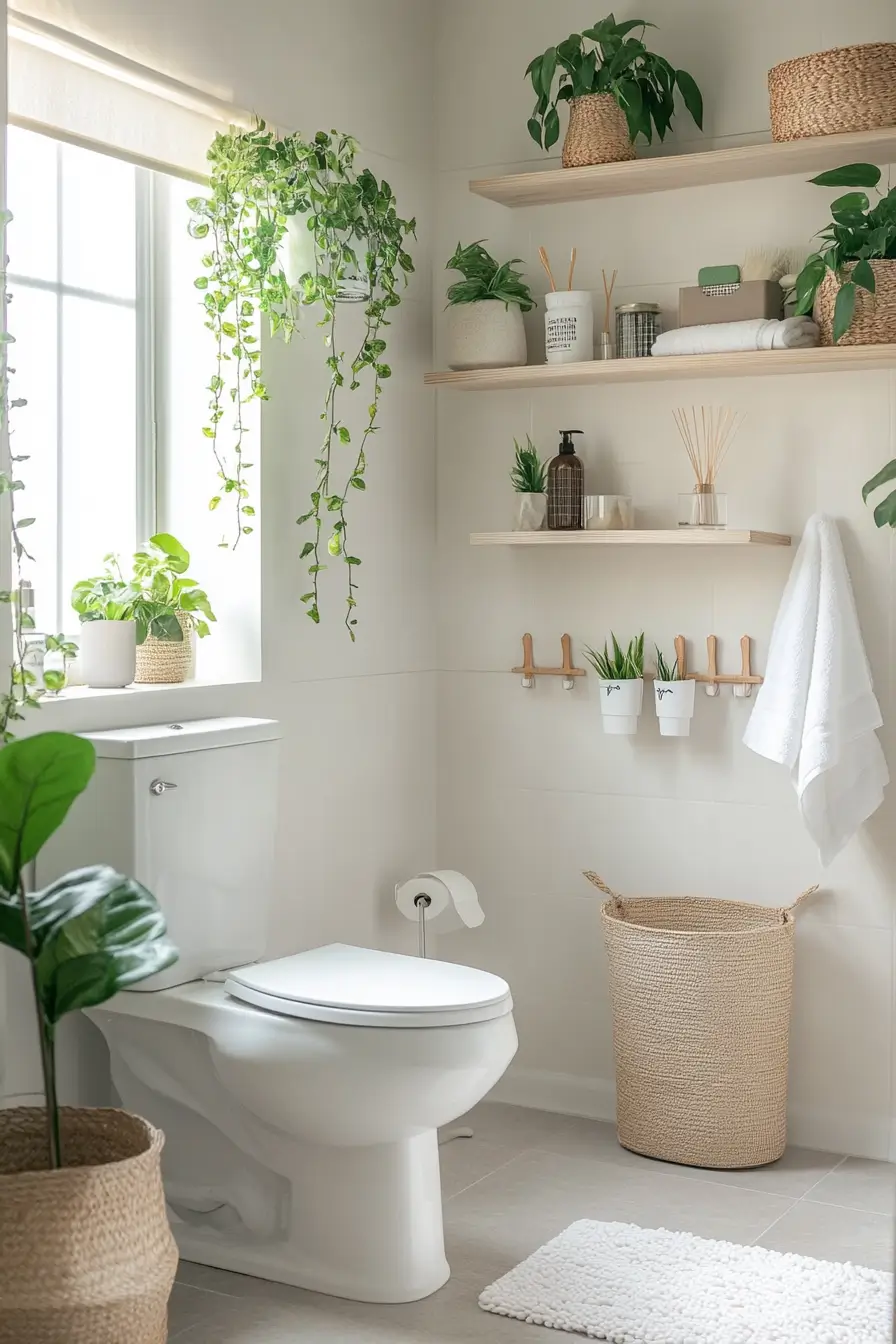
(564,1093)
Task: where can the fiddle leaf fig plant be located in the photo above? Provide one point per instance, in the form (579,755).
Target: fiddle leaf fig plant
(859,232)
(88,934)
(609,58)
(259,183)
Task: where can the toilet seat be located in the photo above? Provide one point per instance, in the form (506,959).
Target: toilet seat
(357,986)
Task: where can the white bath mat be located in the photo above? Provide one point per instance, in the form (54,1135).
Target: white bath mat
(634,1285)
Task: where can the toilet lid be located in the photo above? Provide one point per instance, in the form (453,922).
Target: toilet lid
(358,986)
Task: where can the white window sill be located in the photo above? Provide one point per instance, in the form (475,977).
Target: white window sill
(52,705)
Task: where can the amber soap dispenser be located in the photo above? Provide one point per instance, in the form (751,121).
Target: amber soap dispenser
(566,486)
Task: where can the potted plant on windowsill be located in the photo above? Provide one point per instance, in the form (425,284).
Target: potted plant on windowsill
(673,697)
(85,1245)
(528,480)
(165,605)
(616,90)
(485,311)
(621,674)
(850,283)
(108,650)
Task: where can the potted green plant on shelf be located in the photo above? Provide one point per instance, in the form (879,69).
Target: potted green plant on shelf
(164,604)
(528,478)
(616,89)
(673,698)
(85,1245)
(621,673)
(850,282)
(485,308)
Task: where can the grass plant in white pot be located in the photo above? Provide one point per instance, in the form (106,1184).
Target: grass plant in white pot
(485,311)
(528,479)
(621,673)
(673,697)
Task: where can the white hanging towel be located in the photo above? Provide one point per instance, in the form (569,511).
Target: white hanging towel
(816,711)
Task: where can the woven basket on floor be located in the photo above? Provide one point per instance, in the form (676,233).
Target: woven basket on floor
(830,92)
(86,1254)
(597,132)
(701,993)
(166,660)
(874,321)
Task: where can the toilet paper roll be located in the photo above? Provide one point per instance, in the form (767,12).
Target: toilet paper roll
(453,898)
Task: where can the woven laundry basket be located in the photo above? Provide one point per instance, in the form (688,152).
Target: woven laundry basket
(831,92)
(597,132)
(163,661)
(701,993)
(86,1254)
(874,320)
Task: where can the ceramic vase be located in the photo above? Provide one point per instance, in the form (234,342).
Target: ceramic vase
(530,511)
(568,327)
(620,705)
(108,656)
(486,335)
(674,702)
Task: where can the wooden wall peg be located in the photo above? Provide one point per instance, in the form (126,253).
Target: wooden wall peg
(712,679)
(529,671)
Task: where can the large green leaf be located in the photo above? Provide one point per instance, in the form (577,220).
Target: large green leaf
(854,202)
(693,98)
(98,932)
(885,513)
(40,778)
(863,275)
(807,282)
(850,175)
(887,473)
(844,309)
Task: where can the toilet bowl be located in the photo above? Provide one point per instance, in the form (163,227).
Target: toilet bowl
(300,1099)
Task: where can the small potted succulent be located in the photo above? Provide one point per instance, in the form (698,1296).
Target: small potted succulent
(616,89)
(485,311)
(673,697)
(621,673)
(850,283)
(528,479)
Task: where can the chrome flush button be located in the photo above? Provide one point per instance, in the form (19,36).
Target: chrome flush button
(160,786)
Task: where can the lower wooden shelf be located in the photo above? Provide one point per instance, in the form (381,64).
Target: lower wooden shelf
(681,536)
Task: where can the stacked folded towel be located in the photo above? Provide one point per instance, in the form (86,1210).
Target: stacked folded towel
(760,333)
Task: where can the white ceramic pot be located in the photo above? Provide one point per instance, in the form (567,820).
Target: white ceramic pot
(108,656)
(674,702)
(530,511)
(620,705)
(486,335)
(568,326)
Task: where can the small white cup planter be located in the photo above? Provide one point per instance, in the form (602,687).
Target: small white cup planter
(530,511)
(674,702)
(620,705)
(486,335)
(108,656)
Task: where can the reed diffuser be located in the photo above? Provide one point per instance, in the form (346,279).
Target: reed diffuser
(707,433)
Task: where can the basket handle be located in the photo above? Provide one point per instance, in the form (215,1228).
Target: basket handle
(608,891)
(803,896)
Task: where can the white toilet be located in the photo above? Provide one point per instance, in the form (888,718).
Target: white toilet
(300,1096)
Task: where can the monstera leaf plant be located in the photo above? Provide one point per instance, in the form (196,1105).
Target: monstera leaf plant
(88,934)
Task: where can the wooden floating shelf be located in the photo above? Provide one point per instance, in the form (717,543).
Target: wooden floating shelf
(682,536)
(640,176)
(667,368)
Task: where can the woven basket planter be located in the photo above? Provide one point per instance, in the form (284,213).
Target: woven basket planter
(166,660)
(597,132)
(86,1252)
(874,321)
(830,92)
(701,993)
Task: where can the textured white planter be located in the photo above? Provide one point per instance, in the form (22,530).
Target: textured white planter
(620,705)
(674,702)
(530,511)
(108,656)
(485,335)
(568,326)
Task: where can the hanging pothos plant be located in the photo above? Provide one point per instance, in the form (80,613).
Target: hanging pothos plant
(259,183)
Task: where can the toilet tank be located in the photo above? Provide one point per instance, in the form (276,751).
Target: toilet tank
(203,845)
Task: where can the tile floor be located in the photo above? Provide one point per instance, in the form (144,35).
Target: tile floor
(523,1178)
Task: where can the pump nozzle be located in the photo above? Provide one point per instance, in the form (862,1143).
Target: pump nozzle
(566,443)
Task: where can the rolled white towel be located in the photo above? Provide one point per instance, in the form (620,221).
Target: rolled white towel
(759,333)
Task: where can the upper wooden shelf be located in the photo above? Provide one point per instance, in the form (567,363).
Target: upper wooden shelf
(664,368)
(682,536)
(639,176)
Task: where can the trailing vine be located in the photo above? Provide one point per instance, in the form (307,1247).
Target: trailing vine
(259,183)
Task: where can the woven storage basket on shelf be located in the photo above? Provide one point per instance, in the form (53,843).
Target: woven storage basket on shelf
(701,993)
(166,660)
(86,1254)
(830,92)
(874,321)
(597,132)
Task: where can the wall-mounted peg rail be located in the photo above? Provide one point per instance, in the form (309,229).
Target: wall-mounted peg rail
(529,671)
(712,678)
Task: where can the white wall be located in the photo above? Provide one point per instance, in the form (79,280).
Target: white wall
(358,763)
(530,792)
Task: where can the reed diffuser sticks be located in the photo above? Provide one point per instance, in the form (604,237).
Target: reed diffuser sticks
(707,439)
(608,297)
